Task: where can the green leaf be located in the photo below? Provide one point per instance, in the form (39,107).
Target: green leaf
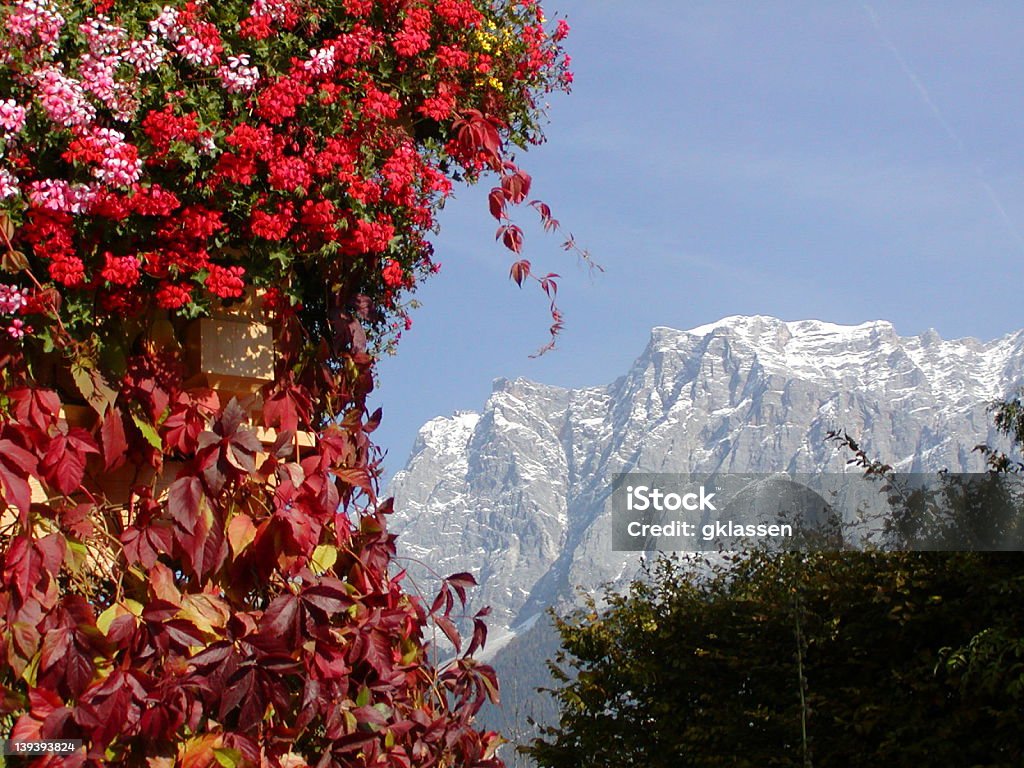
(229,758)
(148,431)
(93,386)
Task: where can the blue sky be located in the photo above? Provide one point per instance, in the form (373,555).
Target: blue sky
(840,161)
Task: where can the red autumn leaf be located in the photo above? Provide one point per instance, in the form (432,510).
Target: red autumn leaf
(184,632)
(478,134)
(162,584)
(330,596)
(38,407)
(516,185)
(231,419)
(206,548)
(63,466)
(512,238)
(76,521)
(549,285)
(24,640)
(373,422)
(55,645)
(16,464)
(459,582)
(444,598)
(42,704)
(187,419)
(52,548)
(357,477)
(183,501)
(114,440)
(228,452)
(113,703)
(121,631)
(448,627)
(282,621)
(330,662)
(64,661)
(240,452)
(549,223)
(520,271)
(496,201)
(370,715)
(479,631)
(21,565)
(145,545)
(289,407)
(374,647)
(237,688)
(158,611)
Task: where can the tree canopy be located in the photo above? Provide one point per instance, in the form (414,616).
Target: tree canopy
(797,659)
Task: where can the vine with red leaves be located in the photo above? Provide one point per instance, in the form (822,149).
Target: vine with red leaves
(194,574)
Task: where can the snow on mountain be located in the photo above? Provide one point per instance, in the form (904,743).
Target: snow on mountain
(516,493)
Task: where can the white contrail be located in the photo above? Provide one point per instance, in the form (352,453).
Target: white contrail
(926,97)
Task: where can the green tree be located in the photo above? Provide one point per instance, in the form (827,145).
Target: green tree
(789,660)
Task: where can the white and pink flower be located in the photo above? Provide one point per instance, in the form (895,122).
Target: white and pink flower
(12,116)
(238,76)
(63,98)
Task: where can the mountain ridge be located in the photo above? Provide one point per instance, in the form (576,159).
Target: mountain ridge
(516,491)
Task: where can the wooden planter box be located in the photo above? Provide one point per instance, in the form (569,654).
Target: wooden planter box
(232,350)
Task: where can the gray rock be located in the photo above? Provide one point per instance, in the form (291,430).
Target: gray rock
(516,494)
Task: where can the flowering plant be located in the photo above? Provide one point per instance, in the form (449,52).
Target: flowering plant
(169,157)
(159,160)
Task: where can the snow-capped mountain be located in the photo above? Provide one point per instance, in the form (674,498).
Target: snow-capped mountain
(516,493)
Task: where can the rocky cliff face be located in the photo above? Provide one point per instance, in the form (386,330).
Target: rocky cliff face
(516,493)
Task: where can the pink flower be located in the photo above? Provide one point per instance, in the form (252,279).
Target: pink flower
(275,9)
(8,184)
(196,51)
(60,195)
(36,19)
(12,116)
(63,98)
(166,24)
(17,329)
(12,299)
(237,76)
(102,36)
(119,164)
(321,61)
(145,55)
(97,73)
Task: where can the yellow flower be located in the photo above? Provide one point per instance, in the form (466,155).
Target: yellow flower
(485,40)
